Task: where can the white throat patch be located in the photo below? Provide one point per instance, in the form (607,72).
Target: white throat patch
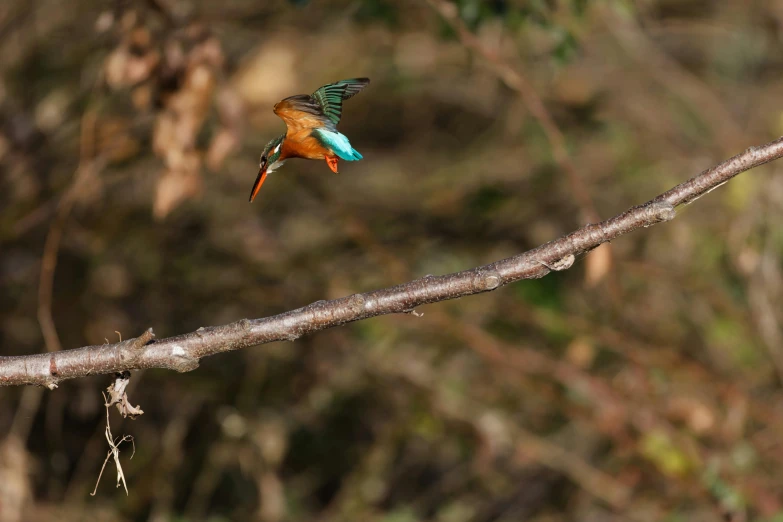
(274,166)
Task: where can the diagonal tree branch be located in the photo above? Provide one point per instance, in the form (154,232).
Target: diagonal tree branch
(183,352)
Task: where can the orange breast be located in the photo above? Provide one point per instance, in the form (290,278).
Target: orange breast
(301,145)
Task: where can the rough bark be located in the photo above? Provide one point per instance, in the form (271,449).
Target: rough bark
(183,352)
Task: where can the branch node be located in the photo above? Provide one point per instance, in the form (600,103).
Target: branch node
(560,264)
(182,363)
(660,211)
(492,281)
(487,280)
(132,349)
(139,342)
(356,303)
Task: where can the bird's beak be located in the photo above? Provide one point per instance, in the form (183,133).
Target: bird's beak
(259,181)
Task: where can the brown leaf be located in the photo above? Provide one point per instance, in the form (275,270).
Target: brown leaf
(139,68)
(114,140)
(142,97)
(224,142)
(230,107)
(254,83)
(114,68)
(175,187)
(164,136)
(210,52)
(581,352)
(695,412)
(598,264)
(140,38)
(14,479)
(118,396)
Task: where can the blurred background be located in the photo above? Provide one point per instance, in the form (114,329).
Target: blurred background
(644,384)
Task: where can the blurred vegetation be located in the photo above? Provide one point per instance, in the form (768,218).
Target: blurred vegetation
(642,384)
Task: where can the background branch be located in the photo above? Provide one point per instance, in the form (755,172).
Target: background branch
(515,81)
(183,352)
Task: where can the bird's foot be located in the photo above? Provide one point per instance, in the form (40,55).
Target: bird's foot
(332,162)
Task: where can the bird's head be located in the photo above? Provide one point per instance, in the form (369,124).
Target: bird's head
(272,153)
(270,160)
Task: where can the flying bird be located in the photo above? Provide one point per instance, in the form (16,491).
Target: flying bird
(312,129)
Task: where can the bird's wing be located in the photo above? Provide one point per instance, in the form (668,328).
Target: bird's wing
(321,109)
(330,97)
(301,112)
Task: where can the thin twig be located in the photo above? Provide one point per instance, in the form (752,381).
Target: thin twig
(84,172)
(183,352)
(31,399)
(600,262)
(668,72)
(517,82)
(527,444)
(114,450)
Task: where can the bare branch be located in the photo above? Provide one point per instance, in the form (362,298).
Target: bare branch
(183,352)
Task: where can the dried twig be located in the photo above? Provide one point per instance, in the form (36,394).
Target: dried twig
(183,352)
(84,173)
(31,399)
(114,450)
(666,71)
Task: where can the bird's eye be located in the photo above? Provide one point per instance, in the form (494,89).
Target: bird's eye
(263,159)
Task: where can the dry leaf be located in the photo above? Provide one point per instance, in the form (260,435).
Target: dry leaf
(14,479)
(114,68)
(142,97)
(174,187)
(254,83)
(230,108)
(581,352)
(139,68)
(222,144)
(114,140)
(698,415)
(598,264)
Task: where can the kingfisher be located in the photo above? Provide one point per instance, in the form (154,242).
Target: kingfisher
(311,121)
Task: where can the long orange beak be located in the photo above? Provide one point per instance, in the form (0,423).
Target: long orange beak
(257,185)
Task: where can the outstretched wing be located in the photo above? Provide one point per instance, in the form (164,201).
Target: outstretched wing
(330,97)
(321,109)
(301,112)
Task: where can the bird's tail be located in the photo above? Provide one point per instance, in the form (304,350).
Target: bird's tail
(338,143)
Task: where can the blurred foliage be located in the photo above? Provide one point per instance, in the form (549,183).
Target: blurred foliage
(642,384)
